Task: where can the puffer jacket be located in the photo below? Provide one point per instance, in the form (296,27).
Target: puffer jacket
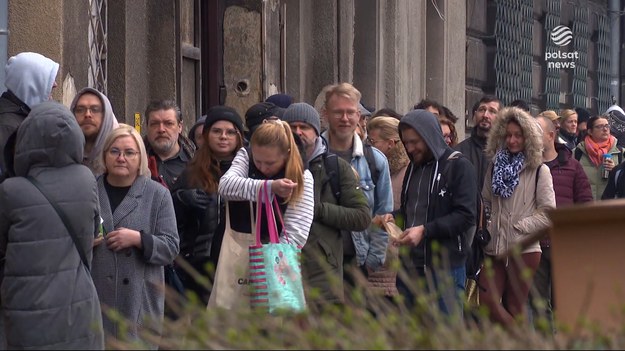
(524,212)
(570,182)
(47,295)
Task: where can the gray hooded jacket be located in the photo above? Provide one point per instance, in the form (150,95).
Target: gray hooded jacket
(48,298)
(109,122)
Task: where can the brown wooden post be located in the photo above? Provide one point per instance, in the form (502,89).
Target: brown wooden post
(588,262)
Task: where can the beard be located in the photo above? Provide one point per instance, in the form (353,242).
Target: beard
(163,146)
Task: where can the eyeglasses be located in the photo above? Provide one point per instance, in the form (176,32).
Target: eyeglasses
(128,154)
(218,132)
(372,141)
(81,110)
(340,113)
(603,126)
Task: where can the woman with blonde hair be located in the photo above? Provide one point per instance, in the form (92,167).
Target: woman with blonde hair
(383,134)
(517,191)
(273,155)
(139,238)
(568,128)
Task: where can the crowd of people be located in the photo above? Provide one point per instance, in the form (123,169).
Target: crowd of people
(114,219)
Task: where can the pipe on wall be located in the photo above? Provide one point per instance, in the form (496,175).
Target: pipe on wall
(4,38)
(615,47)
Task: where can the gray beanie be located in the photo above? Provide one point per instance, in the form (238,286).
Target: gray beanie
(302,112)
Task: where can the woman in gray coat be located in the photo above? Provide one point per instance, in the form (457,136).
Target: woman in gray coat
(48,298)
(139,238)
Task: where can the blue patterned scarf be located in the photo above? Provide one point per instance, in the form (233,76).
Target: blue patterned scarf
(506,172)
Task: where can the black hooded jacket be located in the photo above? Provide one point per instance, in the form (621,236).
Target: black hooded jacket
(452,196)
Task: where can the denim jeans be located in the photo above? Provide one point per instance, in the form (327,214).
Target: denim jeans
(447,284)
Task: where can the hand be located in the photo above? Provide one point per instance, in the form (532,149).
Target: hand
(283,187)
(412,236)
(608,164)
(379,220)
(98,240)
(123,238)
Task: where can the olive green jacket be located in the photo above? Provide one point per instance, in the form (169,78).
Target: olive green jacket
(322,256)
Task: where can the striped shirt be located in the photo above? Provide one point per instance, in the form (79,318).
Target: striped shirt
(235,185)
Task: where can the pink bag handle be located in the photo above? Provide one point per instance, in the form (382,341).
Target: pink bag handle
(279,212)
(263,200)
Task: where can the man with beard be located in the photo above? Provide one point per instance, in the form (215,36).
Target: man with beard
(96,119)
(168,152)
(437,205)
(168,149)
(484,114)
(322,256)
(473,147)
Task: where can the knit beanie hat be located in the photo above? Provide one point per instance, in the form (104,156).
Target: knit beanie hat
(582,114)
(280,100)
(302,112)
(199,122)
(222,113)
(259,112)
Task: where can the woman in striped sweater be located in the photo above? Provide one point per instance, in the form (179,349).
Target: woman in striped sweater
(274,156)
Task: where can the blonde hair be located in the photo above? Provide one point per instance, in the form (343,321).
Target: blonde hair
(565,114)
(278,134)
(388,127)
(343,89)
(550,114)
(122,131)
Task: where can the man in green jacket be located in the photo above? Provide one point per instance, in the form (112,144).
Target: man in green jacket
(345,208)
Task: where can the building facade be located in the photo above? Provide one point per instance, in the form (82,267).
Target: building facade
(396,52)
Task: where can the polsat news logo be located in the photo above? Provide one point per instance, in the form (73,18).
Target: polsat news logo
(562,37)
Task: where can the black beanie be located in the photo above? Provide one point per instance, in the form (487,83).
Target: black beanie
(582,114)
(222,113)
(257,113)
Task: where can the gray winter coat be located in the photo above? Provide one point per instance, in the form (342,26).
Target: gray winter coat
(132,280)
(48,298)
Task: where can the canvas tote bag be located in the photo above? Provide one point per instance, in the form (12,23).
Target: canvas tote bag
(231,285)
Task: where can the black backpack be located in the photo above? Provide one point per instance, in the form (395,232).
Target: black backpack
(331,163)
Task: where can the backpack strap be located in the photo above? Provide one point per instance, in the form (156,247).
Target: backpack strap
(331,163)
(536,184)
(375,172)
(454,155)
(65,221)
(578,154)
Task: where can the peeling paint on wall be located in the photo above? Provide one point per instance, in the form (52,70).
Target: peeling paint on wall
(242,58)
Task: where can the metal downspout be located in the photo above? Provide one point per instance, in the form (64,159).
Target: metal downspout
(615,49)
(4,38)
